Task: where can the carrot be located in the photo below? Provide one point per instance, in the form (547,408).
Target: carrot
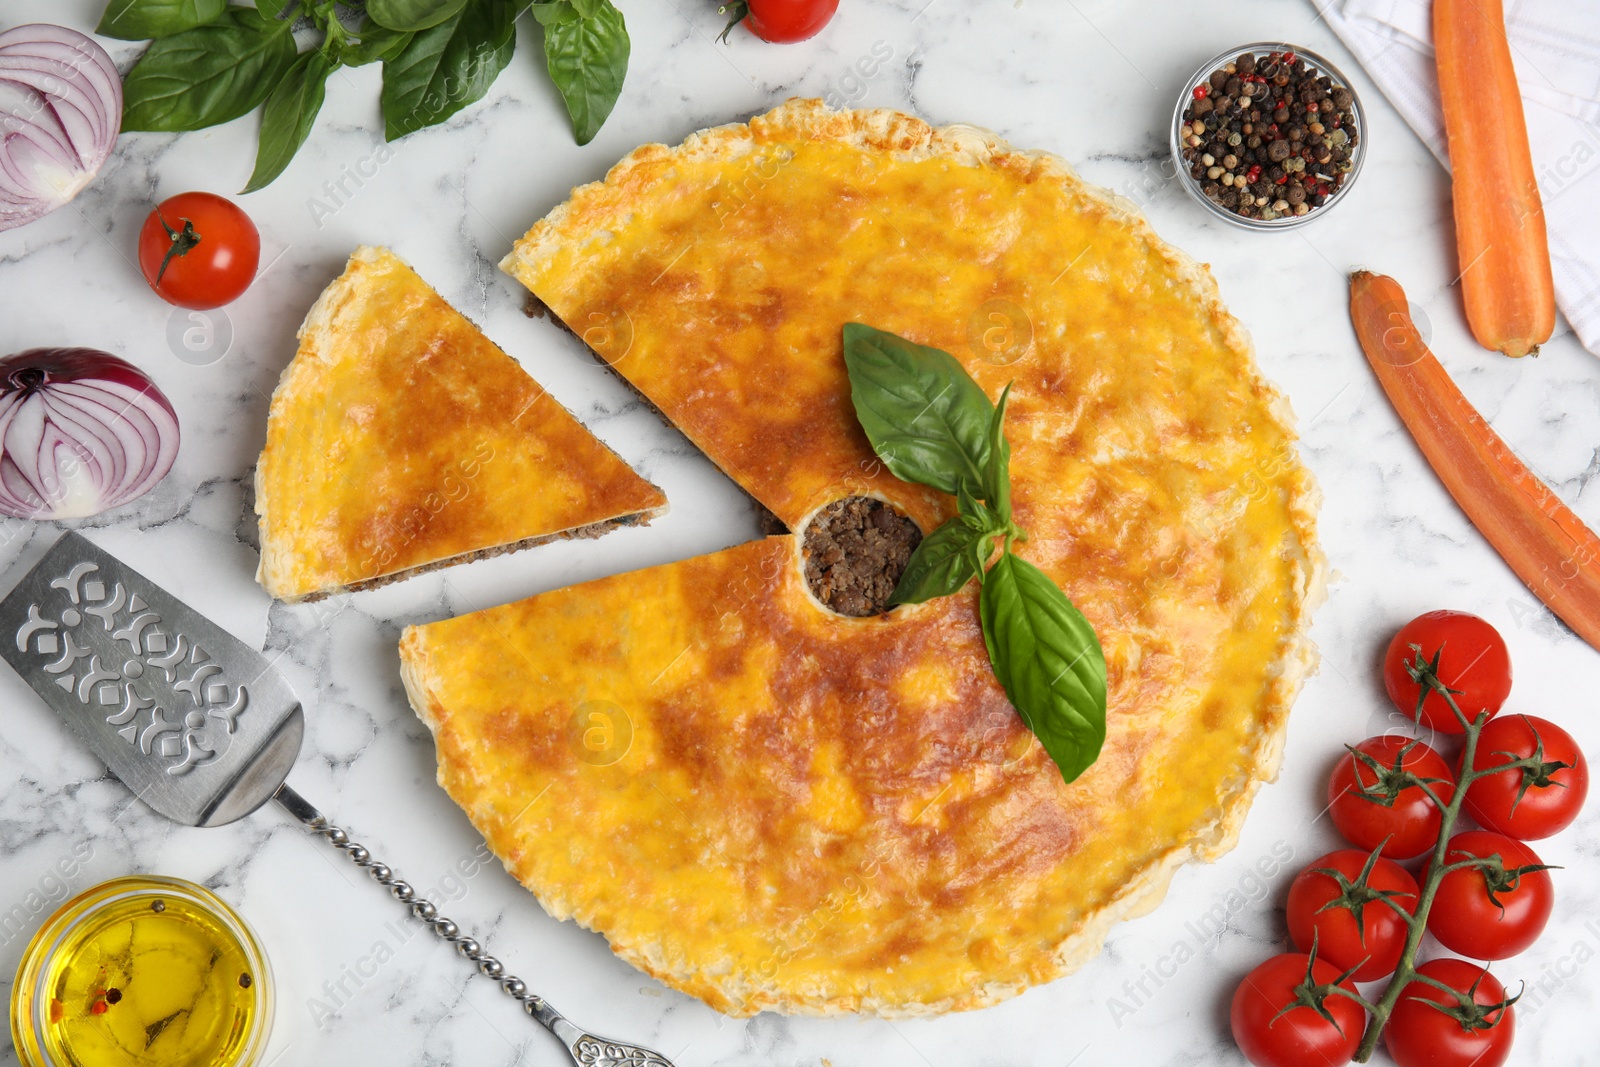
(1543,541)
(1500,238)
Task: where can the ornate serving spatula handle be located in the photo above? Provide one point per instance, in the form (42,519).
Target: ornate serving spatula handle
(588,1050)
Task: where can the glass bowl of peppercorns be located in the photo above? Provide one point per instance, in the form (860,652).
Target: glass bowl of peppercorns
(1268,135)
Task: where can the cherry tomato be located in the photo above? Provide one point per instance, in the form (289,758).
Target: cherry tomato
(1344,913)
(1491,913)
(1528,803)
(1373,795)
(1300,1037)
(787,21)
(1472,659)
(1421,1035)
(199,251)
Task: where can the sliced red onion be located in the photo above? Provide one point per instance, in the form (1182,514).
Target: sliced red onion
(60,113)
(81,432)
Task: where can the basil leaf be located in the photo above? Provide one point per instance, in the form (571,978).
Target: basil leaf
(290,113)
(925,416)
(409,16)
(588,59)
(1048,660)
(140,20)
(208,75)
(940,565)
(372,43)
(443,69)
(997,472)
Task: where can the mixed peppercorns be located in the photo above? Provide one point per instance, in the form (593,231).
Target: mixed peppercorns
(1268,137)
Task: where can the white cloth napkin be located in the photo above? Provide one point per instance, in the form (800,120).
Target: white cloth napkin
(1555,46)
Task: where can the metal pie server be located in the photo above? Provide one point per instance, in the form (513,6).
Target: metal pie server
(200,726)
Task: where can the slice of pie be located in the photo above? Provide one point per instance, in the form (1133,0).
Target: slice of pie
(775,807)
(401,439)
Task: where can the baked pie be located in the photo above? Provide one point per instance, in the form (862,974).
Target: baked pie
(774,807)
(401,439)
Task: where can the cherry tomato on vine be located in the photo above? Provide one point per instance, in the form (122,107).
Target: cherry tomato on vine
(1300,1036)
(1374,797)
(199,250)
(780,21)
(1343,912)
(1472,659)
(1530,802)
(1432,1028)
(1490,913)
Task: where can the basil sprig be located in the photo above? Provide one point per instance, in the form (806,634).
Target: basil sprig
(211,62)
(930,423)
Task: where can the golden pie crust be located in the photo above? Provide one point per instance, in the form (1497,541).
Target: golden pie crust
(772,807)
(401,439)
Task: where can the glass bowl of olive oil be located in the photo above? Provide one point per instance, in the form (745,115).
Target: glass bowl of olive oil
(143,971)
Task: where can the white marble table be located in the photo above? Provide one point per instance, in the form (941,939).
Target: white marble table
(1092,80)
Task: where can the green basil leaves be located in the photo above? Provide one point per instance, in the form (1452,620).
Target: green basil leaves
(586,52)
(211,62)
(290,112)
(943,562)
(443,69)
(927,420)
(930,423)
(208,75)
(1048,660)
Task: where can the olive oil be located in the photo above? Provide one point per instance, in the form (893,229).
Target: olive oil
(143,971)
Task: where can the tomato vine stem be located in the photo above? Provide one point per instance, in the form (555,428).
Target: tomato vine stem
(1417,922)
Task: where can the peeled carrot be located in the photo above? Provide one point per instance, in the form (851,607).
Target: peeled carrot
(1544,542)
(1500,236)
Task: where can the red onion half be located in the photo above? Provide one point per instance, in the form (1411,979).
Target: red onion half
(81,432)
(60,112)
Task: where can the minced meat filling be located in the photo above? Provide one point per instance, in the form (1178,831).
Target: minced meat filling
(855,550)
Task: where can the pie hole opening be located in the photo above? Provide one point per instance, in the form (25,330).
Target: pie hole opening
(853,552)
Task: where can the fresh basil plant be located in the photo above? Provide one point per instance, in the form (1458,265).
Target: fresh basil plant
(931,424)
(211,62)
